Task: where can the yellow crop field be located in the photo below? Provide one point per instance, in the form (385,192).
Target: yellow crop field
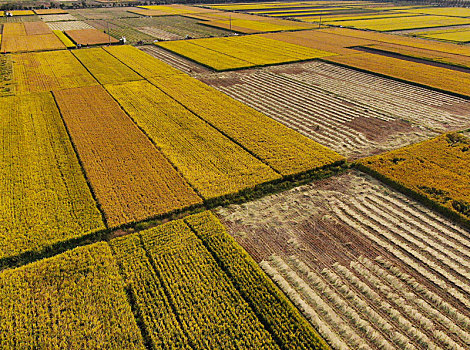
(30,43)
(173,10)
(141,62)
(258,26)
(21,12)
(238,52)
(45,199)
(75,300)
(284,149)
(46,71)
(414,22)
(460,36)
(49,11)
(211,162)
(438,169)
(442,11)
(336,18)
(399,40)
(13,29)
(131,179)
(64,38)
(435,77)
(104,67)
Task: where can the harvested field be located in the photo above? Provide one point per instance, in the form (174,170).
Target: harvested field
(69,25)
(177,25)
(102,13)
(213,164)
(88,37)
(105,67)
(46,71)
(349,127)
(57,18)
(6,75)
(36,28)
(45,198)
(131,179)
(119,29)
(160,34)
(174,60)
(367,266)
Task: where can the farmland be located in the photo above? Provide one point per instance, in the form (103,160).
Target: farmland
(342,252)
(234,176)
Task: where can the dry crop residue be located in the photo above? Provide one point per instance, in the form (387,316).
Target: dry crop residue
(367,266)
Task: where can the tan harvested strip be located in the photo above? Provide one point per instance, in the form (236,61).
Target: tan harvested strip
(36,28)
(130,177)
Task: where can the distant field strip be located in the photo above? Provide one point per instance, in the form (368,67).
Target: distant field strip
(367,266)
(423,74)
(284,149)
(45,199)
(210,161)
(160,263)
(46,71)
(104,67)
(241,52)
(415,22)
(69,25)
(437,169)
(131,179)
(460,36)
(77,299)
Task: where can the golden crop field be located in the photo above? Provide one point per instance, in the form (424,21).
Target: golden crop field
(51,70)
(441,11)
(437,169)
(65,39)
(423,74)
(29,43)
(336,18)
(87,37)
(45,198)
(75,300)
(104,67)
(459,36)
(13,29)
(213,164)
(257,25)
(282,148)
(241,52)
(130,177)
(49,11)
(412,22)
(141,62)
(21,12)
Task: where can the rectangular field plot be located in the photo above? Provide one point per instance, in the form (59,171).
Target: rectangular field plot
(141,62)
(351,118)
(104,67)
(210,161)
(45,198)
(192,270)
(88,37)
(368,267)
(75,300)
(453,35)
(437,169)
(46,71)
(414,22)
(29,36)
(282,148)
(131,178)
(241,52)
